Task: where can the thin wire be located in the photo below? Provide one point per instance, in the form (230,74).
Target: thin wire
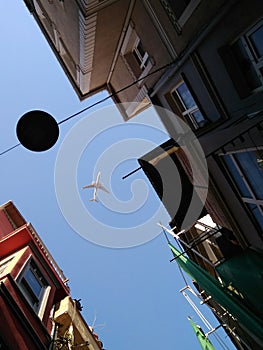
(117,92)
(220,340)
(166,236)
(103,99)
(182,274)
(9,149)
(179,267)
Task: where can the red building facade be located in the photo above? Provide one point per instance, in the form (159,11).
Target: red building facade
(32,287)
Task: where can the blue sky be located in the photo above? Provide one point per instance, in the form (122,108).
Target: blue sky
(133,292)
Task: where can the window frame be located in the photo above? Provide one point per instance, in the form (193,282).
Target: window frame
(187,113)
(35,300)
(142,59)
(252,197)
(257,61)
(244,69)
(180,21)
(141,65)
(188,11)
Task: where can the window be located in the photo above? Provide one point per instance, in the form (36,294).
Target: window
(247,172)
(140,54)
(33,285)
(135,55)
(188,106)
(244,61)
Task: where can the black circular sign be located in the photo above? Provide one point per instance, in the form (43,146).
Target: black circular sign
(37,131)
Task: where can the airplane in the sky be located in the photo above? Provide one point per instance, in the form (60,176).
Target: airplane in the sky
(97,185)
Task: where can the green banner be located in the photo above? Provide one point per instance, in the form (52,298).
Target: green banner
(203,340)
(220,294)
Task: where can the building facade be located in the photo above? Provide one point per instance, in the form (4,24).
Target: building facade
(215,87)
(36,309)
(206,91)
(98,53)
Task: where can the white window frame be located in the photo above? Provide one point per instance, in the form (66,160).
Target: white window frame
(41,300)
(253,198)
(248,46)
(143,59)
(187,112)
(249,80)
(130,44)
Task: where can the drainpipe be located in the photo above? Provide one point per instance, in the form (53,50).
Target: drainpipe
(54,330)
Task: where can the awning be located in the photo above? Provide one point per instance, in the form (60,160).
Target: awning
(171,183)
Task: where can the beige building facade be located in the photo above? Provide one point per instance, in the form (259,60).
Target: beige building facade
(99,53)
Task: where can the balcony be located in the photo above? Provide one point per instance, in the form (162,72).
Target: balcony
(71,329)
(207,243)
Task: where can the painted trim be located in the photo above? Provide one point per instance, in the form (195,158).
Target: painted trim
(159,27)
(188,12)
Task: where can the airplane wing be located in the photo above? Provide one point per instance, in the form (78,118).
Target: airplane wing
(88,186)
(101,187)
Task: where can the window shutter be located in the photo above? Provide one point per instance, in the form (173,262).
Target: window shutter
(133,64)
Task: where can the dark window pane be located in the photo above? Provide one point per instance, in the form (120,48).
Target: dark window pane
(245,64)
(186,96)
(178,101)
(256,39)
(257,214)
(253,173)
(237,177)
(138,59)
(29,293)
(250,178)
(198,117)
(33,282)
(141,49)
(134,63)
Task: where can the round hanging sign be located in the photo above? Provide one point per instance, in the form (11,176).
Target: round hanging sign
(37,131)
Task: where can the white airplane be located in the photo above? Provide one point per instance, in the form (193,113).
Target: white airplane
(97,185)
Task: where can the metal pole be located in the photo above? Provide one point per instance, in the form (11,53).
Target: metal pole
(132,172)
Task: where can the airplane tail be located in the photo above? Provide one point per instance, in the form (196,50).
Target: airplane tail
(94,200)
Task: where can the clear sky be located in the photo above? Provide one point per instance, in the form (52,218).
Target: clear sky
(131,293)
